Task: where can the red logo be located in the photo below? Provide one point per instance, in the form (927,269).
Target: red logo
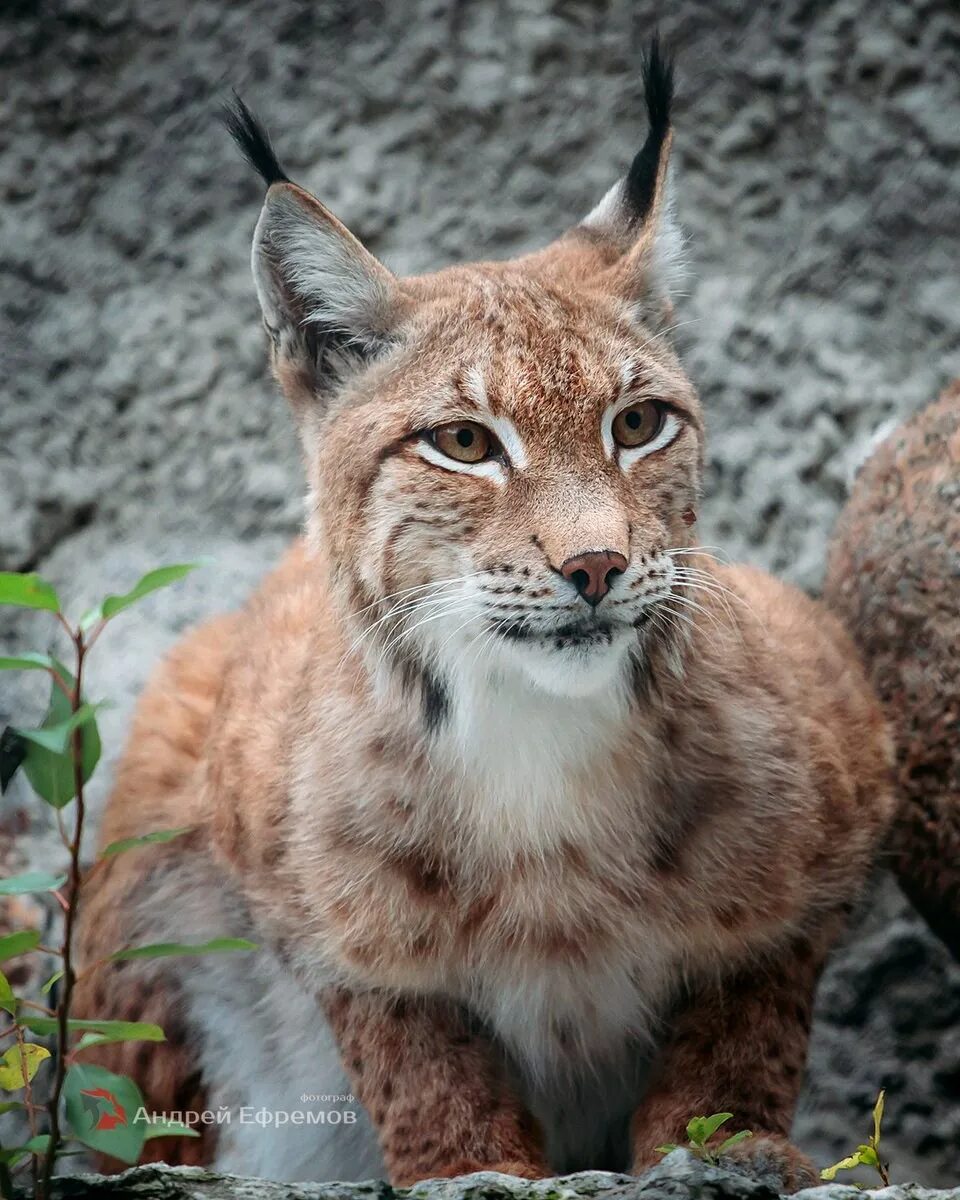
(104,1109)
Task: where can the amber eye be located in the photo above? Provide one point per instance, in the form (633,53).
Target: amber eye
(638,424)
(464,441)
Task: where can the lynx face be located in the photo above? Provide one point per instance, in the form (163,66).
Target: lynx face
(502,457)
(507,482)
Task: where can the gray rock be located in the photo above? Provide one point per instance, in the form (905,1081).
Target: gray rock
(680,1177)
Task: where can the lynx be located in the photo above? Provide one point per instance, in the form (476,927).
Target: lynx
(543,820)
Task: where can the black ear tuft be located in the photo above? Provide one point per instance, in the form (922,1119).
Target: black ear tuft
(253,141)
(657,71)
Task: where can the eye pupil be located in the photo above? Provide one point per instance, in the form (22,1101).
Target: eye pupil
(463,441)
(637,425)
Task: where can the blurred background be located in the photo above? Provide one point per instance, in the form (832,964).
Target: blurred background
(817,168)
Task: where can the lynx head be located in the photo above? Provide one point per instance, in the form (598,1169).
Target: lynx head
(501,455)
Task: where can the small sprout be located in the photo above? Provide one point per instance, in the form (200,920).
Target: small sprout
(866,1155)
(699,1132)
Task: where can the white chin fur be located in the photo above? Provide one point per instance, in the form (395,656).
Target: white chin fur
(576,670)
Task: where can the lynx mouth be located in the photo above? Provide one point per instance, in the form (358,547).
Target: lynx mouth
(574,635)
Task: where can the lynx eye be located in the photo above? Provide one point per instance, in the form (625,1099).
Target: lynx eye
(464,441)
(638,424)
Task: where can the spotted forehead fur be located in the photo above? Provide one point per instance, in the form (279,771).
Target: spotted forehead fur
(521,341)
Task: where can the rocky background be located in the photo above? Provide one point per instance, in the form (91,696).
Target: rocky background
(817,175)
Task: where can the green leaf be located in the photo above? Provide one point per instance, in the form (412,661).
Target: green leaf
(868,1156)
(176,949)
(13,746)
(712,1124)
(32,881)
(8,1000)
(701,1129)
(151,582)
(878,1117)
(160,1127)
(38,1144)
(27,591)
(734,1140)
(54,978)
(13,750)
(51,774)
(127,1031)
(56,738)
(145,839)
(28,662)
(845,1164)
(101,1109)
(667,1149)
(146,1033)
(18,943)
(695,1130)
(17,1060)
(8,1106)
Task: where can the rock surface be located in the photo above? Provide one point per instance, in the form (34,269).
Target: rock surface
(816,157)
(680,1178)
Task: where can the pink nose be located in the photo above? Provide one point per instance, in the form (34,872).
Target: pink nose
(591,573)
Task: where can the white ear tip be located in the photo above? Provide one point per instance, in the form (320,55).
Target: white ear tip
(610,213)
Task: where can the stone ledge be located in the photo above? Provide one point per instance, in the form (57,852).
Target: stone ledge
(680,1177)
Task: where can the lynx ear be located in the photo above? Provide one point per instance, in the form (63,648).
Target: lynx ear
(327,303)
(634,222)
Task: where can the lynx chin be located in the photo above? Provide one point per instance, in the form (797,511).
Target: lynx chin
(543,819)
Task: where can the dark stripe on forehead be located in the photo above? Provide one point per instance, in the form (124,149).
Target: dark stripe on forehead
(467,393)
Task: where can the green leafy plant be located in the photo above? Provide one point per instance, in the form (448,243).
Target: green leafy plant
(58,759)
(867,1154)
(699,1132)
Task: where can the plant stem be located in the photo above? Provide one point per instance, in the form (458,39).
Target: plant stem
(47,1012)
(28,1098)
(70,916)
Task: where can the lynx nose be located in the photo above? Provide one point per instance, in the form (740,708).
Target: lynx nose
(591,573)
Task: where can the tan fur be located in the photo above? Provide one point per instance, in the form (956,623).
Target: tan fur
(493,871)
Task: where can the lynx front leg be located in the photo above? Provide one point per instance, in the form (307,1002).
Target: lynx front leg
(433,1088)
(738,1047)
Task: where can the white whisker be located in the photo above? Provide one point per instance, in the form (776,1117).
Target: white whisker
(455,609)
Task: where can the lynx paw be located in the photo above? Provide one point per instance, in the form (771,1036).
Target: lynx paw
(770,1158)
